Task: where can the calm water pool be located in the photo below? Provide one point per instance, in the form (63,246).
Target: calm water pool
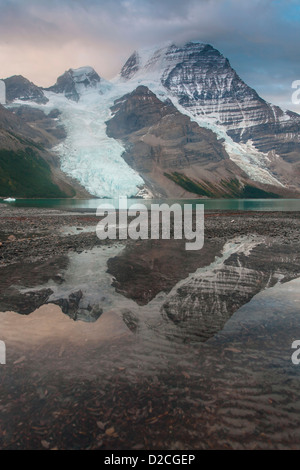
(210,204)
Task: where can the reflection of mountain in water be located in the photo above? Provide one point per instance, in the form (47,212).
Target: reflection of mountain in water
(201,305)
(168,300)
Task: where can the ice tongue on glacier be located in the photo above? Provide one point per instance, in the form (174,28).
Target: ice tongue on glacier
(76,82)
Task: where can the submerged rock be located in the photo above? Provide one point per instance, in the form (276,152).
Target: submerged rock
(77,308)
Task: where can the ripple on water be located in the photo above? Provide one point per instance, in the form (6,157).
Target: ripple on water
(239,389)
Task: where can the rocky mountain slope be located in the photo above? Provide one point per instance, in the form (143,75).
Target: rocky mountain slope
(173,154)
(177,121)
(19,88)
(202,83)
(27,167)
(74,82)
(71,123)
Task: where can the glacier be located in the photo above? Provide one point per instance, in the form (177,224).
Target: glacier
(88,154)
(95,160)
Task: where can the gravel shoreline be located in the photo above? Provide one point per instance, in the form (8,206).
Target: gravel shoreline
(35,235)
(112,385)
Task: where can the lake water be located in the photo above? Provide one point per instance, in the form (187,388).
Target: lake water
(91,205)
(74,385)
(203,364)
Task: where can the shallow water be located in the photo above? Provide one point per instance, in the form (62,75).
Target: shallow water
(139,376)
(209,204)
(237,390)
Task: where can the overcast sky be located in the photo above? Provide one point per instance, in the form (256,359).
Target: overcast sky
(261,38)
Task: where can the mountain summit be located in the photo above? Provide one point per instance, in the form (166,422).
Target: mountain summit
(74,82)
(201,82)
(19,88)
(177,121)
(204,82)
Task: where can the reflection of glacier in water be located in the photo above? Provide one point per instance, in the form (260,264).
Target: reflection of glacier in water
(239,389)
(195,309)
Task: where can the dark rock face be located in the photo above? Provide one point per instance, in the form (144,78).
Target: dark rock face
(159,135)
(36,118)
(19,88)
(135,111)
(131,66)
(170,151)
(24,127)
(72,82)
(11,123)
(159,138)
(24,152)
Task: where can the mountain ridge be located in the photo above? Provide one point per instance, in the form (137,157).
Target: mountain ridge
(261,140)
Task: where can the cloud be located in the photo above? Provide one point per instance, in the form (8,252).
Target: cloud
(41,39)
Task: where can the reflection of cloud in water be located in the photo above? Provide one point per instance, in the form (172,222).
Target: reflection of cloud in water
(237,390)
(49,324)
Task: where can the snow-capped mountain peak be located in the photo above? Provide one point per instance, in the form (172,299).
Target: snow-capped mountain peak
(85,75)
(200,82)
(261,142)
(76,82)
(159,60)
